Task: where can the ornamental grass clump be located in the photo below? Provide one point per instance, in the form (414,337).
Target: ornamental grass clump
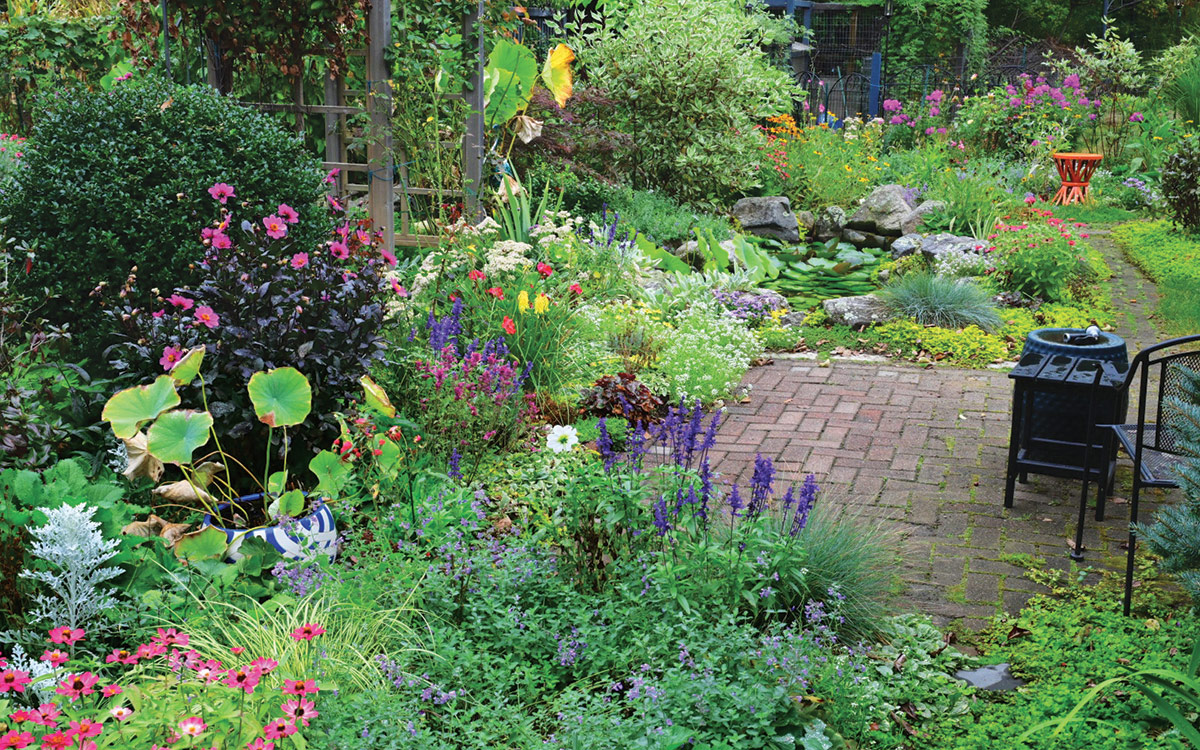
(942,301)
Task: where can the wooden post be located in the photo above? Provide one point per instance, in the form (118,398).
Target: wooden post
(335,145)
(473,135)
(380,185)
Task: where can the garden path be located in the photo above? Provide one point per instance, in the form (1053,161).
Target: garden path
(926,450)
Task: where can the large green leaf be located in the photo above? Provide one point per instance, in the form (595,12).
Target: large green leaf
(129,409)
(176,435)
(376,397)
(186,369)
(281,397)
(666,261)
(331,472)
(509,77)
(203,544)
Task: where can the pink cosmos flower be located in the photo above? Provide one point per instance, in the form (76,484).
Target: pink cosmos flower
(244,678)
(333,173)
(278,729)
(364,238)
(388,256)
(206,316)
(16,739)
(307,632)
(300,710)
(334,203)
(180,301)
(299,687)
(339,250)
(158,314)
(192,726)
(11,679)
(66,635)
(75,686)
(299,260)
(221,241)
(111,690)
(120,713)
(55,658)
(221,192)
(121,655)
(148,650)
(171,357)
(260,744)
(56,741)
(85,728)
(169,637)
(287,213)
(264,665)
(399,290)
(276,227)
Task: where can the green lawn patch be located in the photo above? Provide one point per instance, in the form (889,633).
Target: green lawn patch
(1171,258)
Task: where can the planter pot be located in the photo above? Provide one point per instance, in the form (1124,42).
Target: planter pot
(303,539)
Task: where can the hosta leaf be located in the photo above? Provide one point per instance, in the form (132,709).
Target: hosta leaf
(129,409)
(281,397)
(176,435)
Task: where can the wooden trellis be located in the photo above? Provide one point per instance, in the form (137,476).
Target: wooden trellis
(378,176)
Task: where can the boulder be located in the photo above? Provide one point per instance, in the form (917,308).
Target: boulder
(912,220)
(936,245)
(793,319)
(829,223)
(768,217)
(906,245)
(856,312)
(883,211)
(865,239)
(807,221)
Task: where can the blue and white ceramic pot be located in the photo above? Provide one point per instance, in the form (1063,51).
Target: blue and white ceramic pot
(301,539)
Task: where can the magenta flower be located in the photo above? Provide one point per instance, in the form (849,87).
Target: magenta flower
(287,213)
(179,301)
(221,241)
(398,289)
(276,228)
(206,316)
(1137,117)
(299,260)
(221,192)
(891,105)
(339,250)
(170,357)
(75,686)
(388,256)
(332,176)
(158,314)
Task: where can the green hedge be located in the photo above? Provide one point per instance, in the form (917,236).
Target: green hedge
(1171,258)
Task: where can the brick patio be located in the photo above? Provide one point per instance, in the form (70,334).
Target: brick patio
(927,450)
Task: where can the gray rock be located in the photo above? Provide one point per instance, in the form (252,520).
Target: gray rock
(856,312)
(936,245)
(794,319)
(906,245)
(829,223)
(807,221)
(882,212)
(912,220)
(768,217)
(990,677)
(854,237)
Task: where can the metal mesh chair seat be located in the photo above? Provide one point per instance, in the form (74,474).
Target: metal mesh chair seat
(1158,467)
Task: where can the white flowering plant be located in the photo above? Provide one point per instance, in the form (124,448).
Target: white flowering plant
(707,355)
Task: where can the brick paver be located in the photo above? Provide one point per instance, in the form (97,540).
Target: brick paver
(926,450)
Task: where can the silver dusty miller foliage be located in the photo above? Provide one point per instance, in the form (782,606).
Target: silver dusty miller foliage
(72,544)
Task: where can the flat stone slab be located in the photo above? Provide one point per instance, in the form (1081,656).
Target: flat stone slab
(990,677)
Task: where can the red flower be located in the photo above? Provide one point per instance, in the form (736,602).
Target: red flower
(476,276)
(496,292)
(575,288)
(509,327)
(545,270)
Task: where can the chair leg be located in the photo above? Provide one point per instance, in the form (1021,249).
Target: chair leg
(1132,542)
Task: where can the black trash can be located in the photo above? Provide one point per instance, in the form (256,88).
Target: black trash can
(1063,417)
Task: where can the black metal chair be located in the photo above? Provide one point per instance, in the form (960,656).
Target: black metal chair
(1154,446)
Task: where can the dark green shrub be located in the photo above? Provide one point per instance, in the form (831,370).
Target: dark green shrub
(1181,183)
(120,179)
(941,301)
